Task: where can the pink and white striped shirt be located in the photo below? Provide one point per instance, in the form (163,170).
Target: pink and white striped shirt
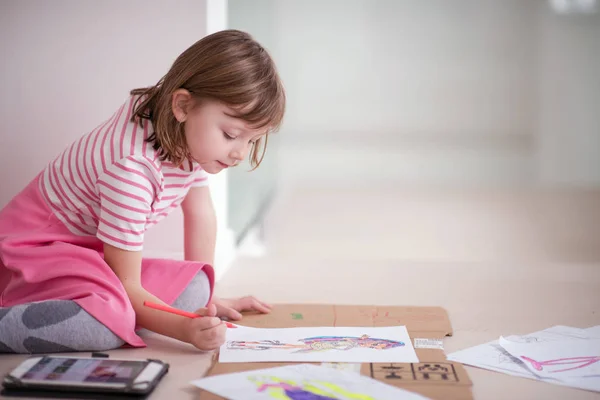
(111,184)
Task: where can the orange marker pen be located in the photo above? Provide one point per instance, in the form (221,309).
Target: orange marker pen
(180,312)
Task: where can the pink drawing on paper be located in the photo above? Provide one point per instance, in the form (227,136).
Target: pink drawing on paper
(576,362)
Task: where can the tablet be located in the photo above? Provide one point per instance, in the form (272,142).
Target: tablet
(85,375)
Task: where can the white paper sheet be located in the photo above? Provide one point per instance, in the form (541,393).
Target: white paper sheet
(594,331)
(314,344)
(300,381)
(560,359)
(493,357)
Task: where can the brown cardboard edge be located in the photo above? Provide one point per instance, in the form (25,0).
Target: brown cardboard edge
(433,359)
(428,321)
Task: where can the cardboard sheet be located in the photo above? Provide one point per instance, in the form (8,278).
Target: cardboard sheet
(433,376)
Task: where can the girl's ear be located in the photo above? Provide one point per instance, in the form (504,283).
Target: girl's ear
(181,103)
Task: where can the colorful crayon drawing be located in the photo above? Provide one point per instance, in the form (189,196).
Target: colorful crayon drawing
(578,362)
(318,343)
(285,389)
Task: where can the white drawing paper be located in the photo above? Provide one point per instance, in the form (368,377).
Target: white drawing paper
(300,381)
(594,331)
(491,354)
(560,359)
(493,357)
(319,344)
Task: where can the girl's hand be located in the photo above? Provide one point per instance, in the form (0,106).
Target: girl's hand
(206,333)
(231,308)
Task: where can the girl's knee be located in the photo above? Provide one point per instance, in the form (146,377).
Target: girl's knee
(195,295)
(96,336)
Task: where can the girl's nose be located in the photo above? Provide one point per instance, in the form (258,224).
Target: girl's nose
(239,153)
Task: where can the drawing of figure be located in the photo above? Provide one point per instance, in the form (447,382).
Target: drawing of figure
(578,362)
(318,343)
(261,345)
(285,389)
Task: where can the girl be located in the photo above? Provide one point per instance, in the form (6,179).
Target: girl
(72,276)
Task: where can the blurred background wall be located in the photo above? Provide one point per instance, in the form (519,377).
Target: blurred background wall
(443,92)
(387,93)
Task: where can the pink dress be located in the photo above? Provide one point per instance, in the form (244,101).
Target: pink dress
(108,186)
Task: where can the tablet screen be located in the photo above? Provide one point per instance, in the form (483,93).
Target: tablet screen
(71,370)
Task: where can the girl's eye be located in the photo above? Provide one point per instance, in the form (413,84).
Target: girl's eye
(228,136)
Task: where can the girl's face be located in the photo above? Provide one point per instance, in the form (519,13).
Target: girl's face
(216,140)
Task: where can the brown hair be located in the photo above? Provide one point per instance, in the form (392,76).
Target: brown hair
(228,66)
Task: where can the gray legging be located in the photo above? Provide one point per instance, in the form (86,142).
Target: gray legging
(63,326)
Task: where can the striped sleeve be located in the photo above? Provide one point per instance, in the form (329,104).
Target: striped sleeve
(127,190)
(200,177)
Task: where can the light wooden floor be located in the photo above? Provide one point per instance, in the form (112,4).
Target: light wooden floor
(501,262)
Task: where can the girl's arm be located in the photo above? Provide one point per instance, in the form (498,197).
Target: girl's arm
(204,333)
(200,230)
(200,225)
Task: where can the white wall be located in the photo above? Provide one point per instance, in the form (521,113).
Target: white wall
(569,99)
(68,64)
